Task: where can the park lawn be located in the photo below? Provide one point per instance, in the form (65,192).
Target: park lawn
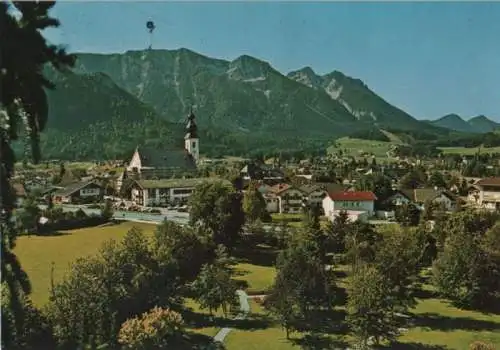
(271,337)
(441,324)
(210,331)
(266,334)
(37,253)
(259,278)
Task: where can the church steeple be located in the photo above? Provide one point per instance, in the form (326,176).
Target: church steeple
(191,140)
(191,128)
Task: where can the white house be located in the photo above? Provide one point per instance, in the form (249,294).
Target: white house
(354,201)
(166,192)
(489,192)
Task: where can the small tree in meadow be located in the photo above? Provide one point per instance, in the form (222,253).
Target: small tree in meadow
(370,312)
(214,287)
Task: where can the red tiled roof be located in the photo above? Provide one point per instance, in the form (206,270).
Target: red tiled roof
(490,181)
(352,196)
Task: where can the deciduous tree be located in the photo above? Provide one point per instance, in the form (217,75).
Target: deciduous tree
(214,286)
(156,329)
(218,208)
(254,204)
(369,310)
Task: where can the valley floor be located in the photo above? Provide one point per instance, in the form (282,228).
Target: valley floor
(435,324)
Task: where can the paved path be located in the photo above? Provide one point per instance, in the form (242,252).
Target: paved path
(244,310)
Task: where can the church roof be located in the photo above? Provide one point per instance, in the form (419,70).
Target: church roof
(191,127)
(152,158)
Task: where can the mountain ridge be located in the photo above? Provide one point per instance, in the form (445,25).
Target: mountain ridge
(479,124)
(241,105)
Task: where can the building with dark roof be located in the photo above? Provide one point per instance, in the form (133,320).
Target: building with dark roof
(156,164)
(79,193)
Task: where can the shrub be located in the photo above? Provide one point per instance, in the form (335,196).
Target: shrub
(155,329)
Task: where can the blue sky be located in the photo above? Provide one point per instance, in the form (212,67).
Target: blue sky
(429,59)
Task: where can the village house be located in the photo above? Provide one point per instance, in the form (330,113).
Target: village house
(283,198)
(271,199)
(395,199)
(82,192)
(420,196)
(166,192)
(489,193)
(359,205)
(314,194)
(269,174)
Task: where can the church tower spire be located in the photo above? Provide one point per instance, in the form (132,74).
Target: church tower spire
(191,140)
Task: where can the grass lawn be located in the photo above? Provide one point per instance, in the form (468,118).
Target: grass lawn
(436,325)
(259,278)
(36,253)
(469,150)
(356,147)
(271,336)
(440,324)
(209,330)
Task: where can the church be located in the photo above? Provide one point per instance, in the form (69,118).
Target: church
(153,164)
(166,177)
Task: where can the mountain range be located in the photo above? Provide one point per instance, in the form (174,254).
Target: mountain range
(480,124)
(109,103)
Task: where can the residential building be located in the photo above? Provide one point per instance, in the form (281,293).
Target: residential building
(351,201)
(167,191)
(290,198)
(395,199)
(282,198)
(489,192)
(314,194)
(263,172)
(420,196)
(79,193)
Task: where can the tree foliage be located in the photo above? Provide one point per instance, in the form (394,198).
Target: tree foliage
(254,204)
(23,106)
(369,309)
(218,208)
(468,270)
(407,214)
(214,287)
(156,329)
(302,284)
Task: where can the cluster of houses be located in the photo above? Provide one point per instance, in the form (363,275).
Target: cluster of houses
(165,178)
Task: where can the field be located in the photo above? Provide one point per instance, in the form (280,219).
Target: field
(37,253)
(436,324)
(356,147)
(469,150)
